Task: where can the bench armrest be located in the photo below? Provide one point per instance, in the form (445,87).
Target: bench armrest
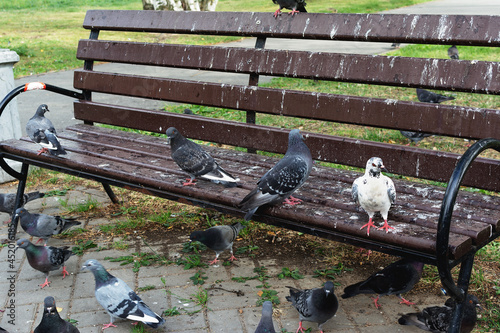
(37,86)
(447,206)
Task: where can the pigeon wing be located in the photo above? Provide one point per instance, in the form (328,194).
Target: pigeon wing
(192,159)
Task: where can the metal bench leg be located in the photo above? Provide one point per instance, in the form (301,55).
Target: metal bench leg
(462,283)
(110,193)
(19,200)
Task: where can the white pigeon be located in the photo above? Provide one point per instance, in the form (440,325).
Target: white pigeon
(374,192)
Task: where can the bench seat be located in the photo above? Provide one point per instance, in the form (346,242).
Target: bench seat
(143,163)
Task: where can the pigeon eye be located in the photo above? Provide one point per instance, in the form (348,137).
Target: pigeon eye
(373,164)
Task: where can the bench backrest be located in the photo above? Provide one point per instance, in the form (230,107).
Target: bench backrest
(478,77)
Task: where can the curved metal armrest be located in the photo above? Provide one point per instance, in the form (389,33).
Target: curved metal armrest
(37,86)
(450,196)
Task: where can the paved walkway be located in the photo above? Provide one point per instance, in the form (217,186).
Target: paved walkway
(229,313)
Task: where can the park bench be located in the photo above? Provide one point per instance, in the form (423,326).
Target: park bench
(436,225)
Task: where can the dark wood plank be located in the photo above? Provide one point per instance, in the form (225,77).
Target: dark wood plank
(466,76)
(409,161)
(449,120)
(407,28)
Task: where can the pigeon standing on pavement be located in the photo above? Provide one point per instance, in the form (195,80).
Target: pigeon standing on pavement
(295,6)
(42,131)
(42,225)
(8,200)
(374,192)
(425,96)
(395,279)
(453,52)
(218,238)
(266,321)
(283,179)
(315,305)
(118,299)
(438,318)
(45,258)
(51,321)
(191,158)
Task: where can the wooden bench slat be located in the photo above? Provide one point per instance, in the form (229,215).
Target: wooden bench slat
(438,119)
(399,159)
(478,76)
(410,28)
(96,158)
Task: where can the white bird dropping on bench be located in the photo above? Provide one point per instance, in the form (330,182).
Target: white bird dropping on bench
(41,131)
(316,305)
(191,158)
(374,192)
(118,299)
(218,238)
(283,179)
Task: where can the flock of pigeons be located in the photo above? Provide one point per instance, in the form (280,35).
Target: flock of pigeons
(373,191)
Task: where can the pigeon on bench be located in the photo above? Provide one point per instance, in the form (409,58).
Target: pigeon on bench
(8,201)
(296,6)
(453,52)
(374,192)
(51,321)
(191,158)
(278,184)
(45,258)
(118,299)
(218,238)
(42,225)
(395,279)
(438,318)
(266,321)
(425,96)
(42,131)
(315,305)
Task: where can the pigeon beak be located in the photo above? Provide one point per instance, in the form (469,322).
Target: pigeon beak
(83,268)
(382,167)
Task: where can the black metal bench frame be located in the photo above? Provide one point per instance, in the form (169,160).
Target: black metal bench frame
(378,28)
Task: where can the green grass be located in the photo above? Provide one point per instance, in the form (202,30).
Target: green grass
(45,33)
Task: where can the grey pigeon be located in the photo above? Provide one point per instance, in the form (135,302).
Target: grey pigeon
(266,321)
(51,321)
(315,305)
(374,192)
(295,6)
(425,96)
(432,97)
(415,137)
(42,131)
(42,225)
(395,279)
(453,52)
(395,45)
(283,179)
(45,258)
(438,318)
(191,158)
(8,200)
(218,238)
(118,299)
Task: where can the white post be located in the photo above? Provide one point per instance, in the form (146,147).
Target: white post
(10,126)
